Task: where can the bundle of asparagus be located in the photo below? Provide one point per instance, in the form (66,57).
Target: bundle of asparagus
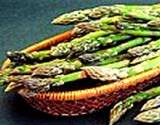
(123,42)
(103,73)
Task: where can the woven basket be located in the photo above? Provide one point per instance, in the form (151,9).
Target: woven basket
(80,102)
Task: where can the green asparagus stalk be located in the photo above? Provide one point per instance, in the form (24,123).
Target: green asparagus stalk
(150,116)
(4,76)
(93,45)
(27,69)
(37,83)
(117,58)
(145,57)
(110,74)
(139,14)
(136,26)
(62,49)
(101,24)
(155,11)
(141,32)
(154,23)
(123,106)
(49,69)
(150,104)
(145,49)
(93,57)
(98,12)
(119,24)
(82,15)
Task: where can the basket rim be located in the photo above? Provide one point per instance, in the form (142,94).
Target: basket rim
(85,93)
(97,91)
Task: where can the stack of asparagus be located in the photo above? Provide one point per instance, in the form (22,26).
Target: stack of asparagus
(117,42)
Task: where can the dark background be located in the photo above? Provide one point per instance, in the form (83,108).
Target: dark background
(22,22)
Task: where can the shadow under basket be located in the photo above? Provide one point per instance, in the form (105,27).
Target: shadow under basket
(80,102)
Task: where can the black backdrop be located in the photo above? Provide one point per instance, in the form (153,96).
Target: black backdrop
(22,22)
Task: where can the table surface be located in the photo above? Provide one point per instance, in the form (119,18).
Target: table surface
(23,22)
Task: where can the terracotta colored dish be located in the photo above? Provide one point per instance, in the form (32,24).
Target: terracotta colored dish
(80,102)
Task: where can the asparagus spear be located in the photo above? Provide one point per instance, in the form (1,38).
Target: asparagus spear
(117,58)
(25,69)
(123,106)
(62,49)
(135,26)
(82,15)
(37,84)
(101,24)
(123,23)
(98,12)
(154,23)
(4,76)
(140,14)
(141,32)
(145,57)
(49,69)
(93,45)
(145,49)
(119,25)
(93,57)
(155,11)
(150,116)
(109,74)
(152,103)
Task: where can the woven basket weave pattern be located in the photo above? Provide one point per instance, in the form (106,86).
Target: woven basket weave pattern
(85,106)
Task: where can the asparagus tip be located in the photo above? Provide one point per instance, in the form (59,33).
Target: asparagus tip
(58,21)
(12,86)
(9,87)
(149,116)
(9,53)
(53,22)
